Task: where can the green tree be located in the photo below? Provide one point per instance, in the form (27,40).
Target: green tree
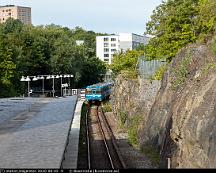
(125,61)
(92,71)
(173,25)
(51,49)
(206,20)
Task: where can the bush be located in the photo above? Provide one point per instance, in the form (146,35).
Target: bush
(107,107)
(133,129)
(159,73)
(129,74)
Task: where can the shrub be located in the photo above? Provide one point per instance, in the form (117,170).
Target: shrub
(129,74)
(159,73)
(181,72)
(107,107)
(133,129)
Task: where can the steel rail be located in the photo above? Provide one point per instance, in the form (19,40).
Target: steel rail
(88,141)
(104,139)
(109,130)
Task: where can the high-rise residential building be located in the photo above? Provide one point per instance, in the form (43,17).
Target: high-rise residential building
(15,12)
(107,46)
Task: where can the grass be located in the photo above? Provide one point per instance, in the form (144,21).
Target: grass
(133,129)
(152,154)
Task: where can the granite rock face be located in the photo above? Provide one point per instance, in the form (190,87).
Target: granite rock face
(178,119)
(181,123)
(133,97)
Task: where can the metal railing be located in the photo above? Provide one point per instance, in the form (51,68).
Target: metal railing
(148,68)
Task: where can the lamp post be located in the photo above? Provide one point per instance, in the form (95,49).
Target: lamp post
(28,79)
(61,83)
(42,84)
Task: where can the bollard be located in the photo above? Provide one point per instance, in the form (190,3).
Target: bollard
(168,163)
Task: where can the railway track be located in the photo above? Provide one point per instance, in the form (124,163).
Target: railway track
(102,149)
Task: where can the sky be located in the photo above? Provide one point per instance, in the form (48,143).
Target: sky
(104,16)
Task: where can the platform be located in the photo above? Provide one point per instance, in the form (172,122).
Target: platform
(36,133)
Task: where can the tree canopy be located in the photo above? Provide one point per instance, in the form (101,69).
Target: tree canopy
(40,50)
(175,23)
(126,63)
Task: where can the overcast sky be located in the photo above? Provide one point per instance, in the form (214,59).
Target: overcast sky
(105,16)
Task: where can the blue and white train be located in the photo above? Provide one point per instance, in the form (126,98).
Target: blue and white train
(98,92)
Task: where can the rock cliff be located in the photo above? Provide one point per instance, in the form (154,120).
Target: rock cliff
(178,120)
(133,97)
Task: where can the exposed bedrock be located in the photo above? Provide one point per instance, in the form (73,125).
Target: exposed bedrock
(178,114)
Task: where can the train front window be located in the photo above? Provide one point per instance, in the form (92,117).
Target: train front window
(88,91)
(98,91)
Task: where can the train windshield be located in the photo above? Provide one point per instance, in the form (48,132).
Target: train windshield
(98,91)
(88,91)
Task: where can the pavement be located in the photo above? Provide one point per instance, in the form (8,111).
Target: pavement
(71,154)
(34,131)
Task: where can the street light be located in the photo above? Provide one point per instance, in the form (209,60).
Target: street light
(42,83)
(53,90)
(35,78)
(27,79)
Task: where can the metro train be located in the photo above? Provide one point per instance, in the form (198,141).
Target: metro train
(98,92)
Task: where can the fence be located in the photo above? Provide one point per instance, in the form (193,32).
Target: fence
(148,68)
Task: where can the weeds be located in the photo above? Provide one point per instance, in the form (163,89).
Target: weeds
(159,73)
(133,129)
(107,107)
(214,46)
(181,72)
(152,154)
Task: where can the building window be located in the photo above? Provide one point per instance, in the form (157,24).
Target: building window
(113,45)
(106,39)
(113,50)
(106,50)
(106,45)
(113,39)
(106,55)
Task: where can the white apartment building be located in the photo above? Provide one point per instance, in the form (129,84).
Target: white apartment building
(107,46)
(15,12)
